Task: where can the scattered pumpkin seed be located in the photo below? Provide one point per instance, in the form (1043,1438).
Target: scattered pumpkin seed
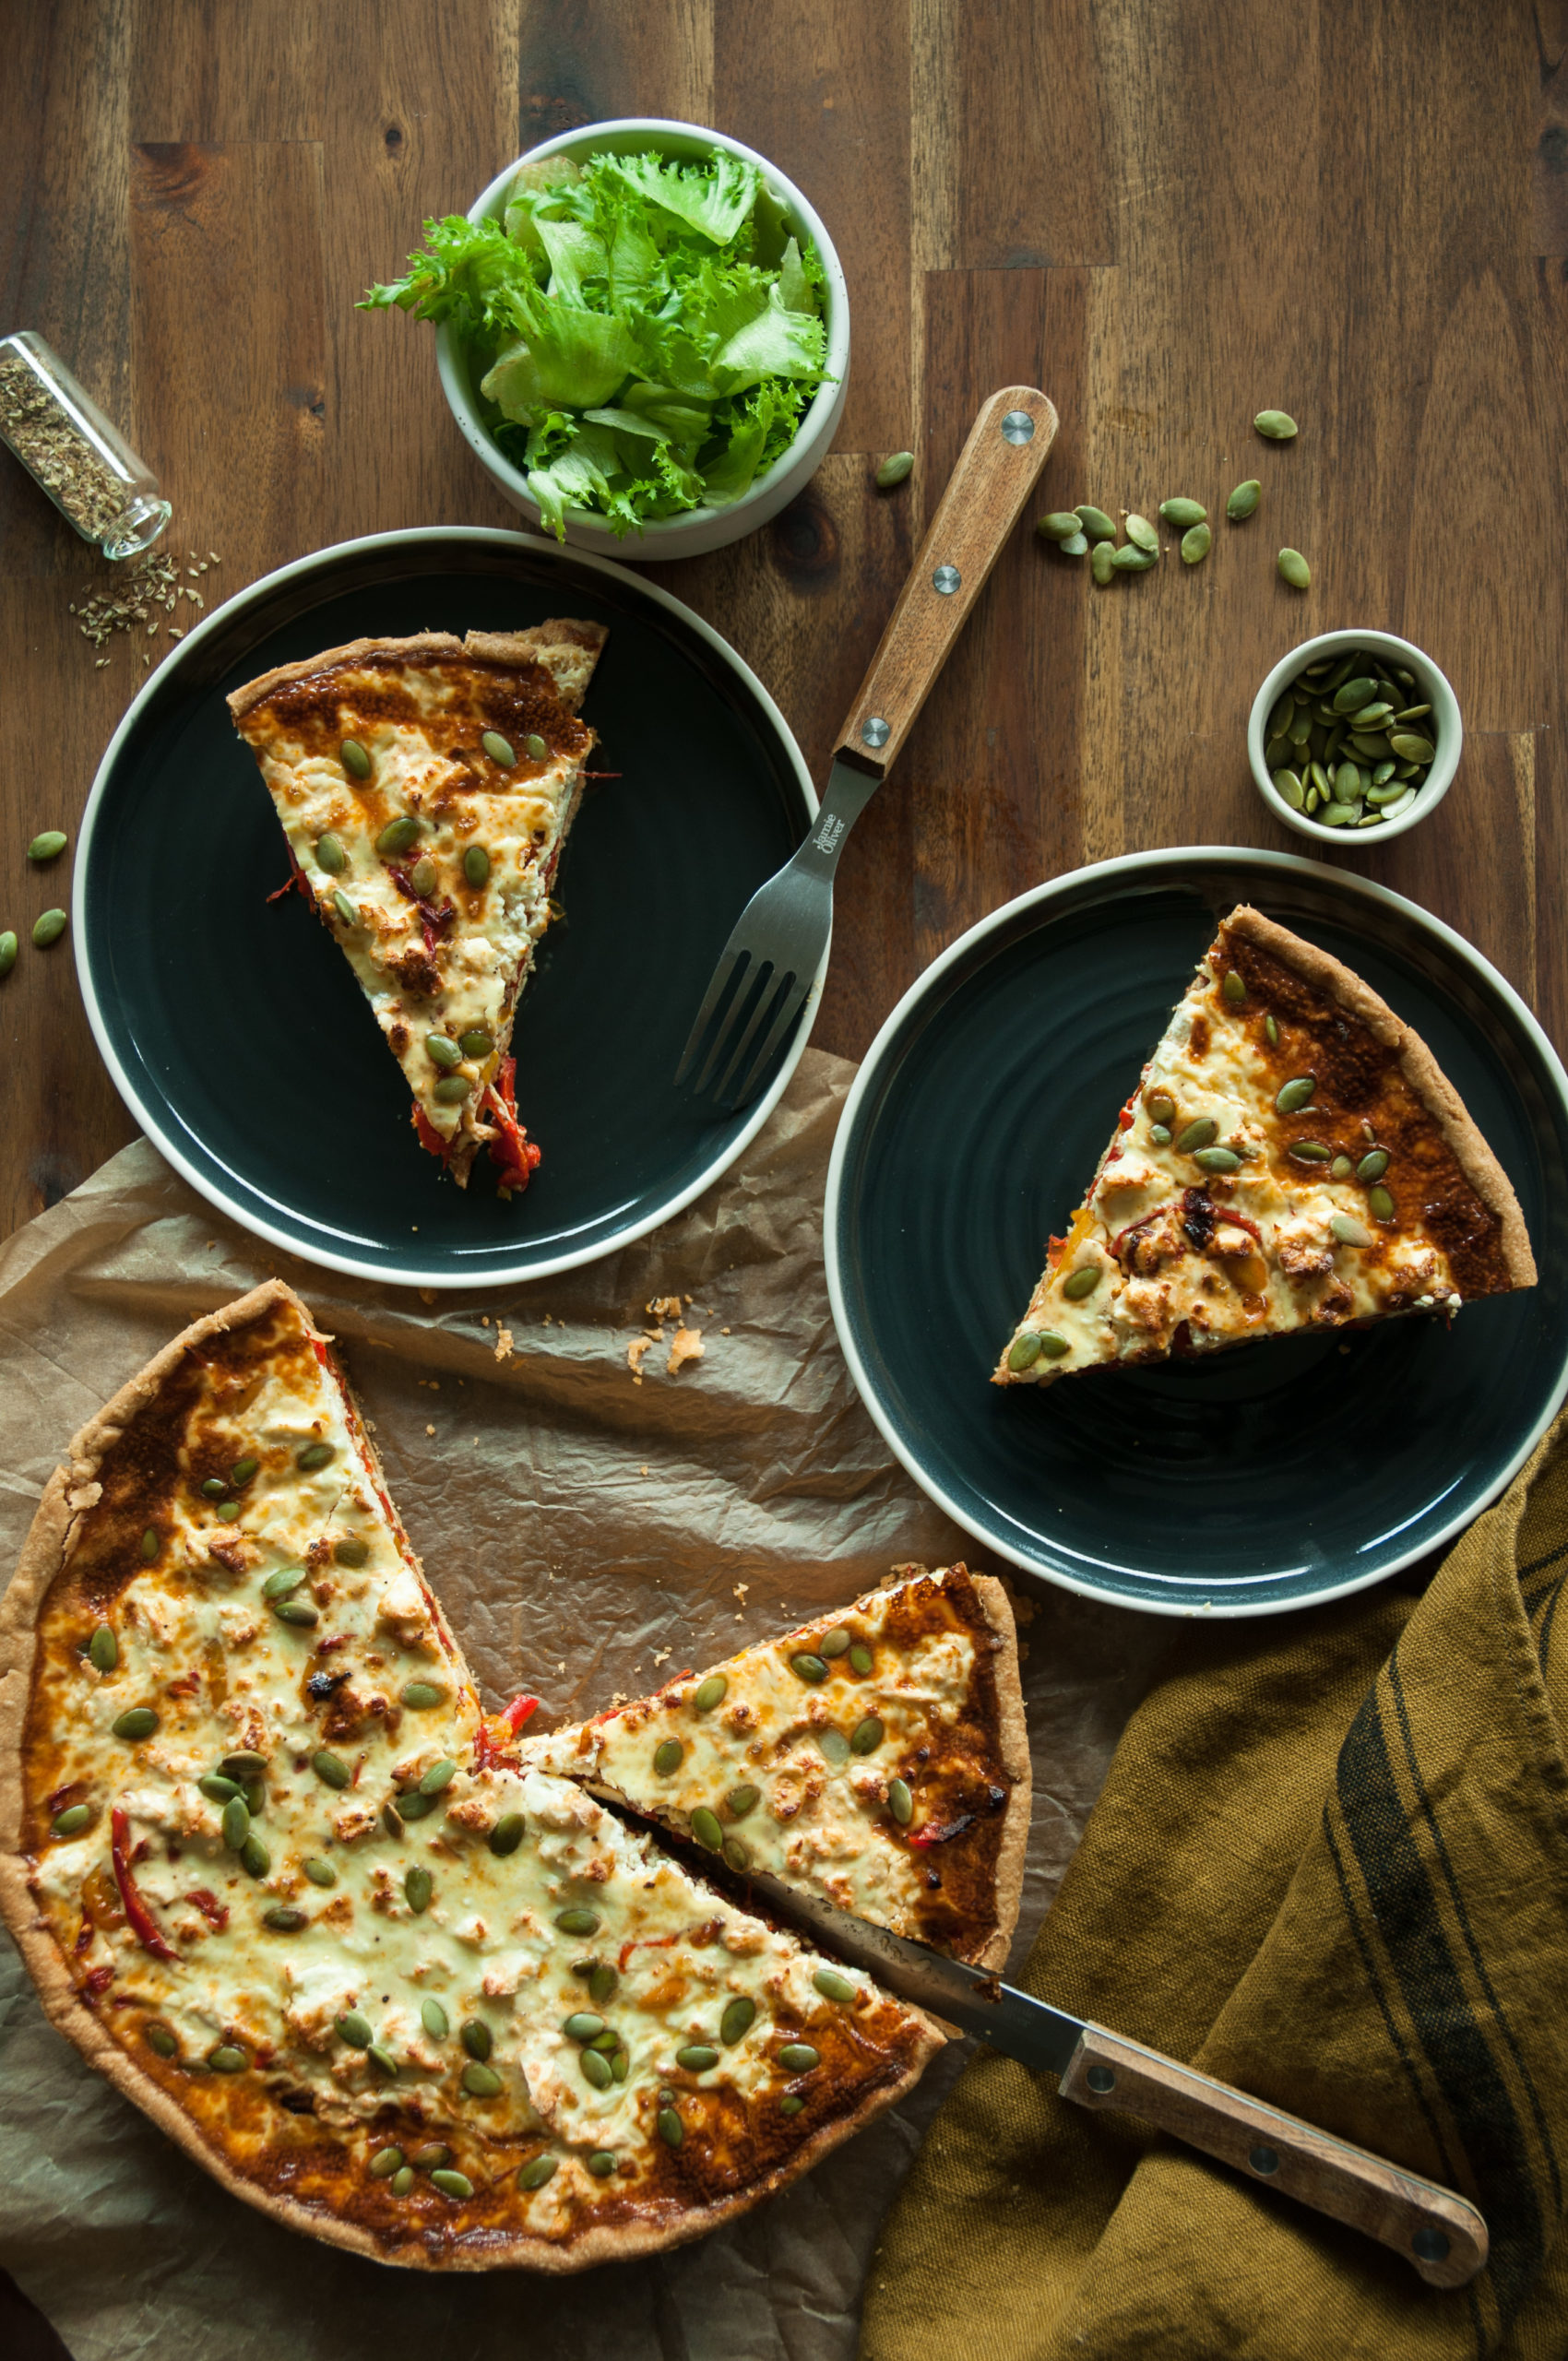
(1310,1151)
(402,2182)
(1160,1134)
(243,1765)
(382,2059)
(419,1696)
(1082,1283)
(1294,569)
(353,758)
(697,2057)
(1349,1230)
(671,2128)
(255,1857)
(1096,523)
(535,2172)
(741,1800)
(737,1855)
(356,2029)
(1102,562)
(104,1648)
(345,908)
(1201,1132)
(160,2041)
(1271,1032)
(859,1658)
(330,855)
(602,1981)
(1196,544)
(452,1090)
(1276,425)
(423,877)
(583,2025)
(314,1455)
(867,1735)
(832,1985)
(296,1611)
(1161,1106)
(1076,545)
(668,1757)
(418,1887)
(149,1545)
(601,2164)
(236,1824)
(385,2163)
(790,2104)
(1234,988)
(1059,526)
(900,1802)
(48,929)
(705,1828)
(319,1872)
(227,2059)
(1130,559)
(284,1921)
(1380,1202)
(1373,1165)
(476,865)
(399,835)
(440,1775)
(1142,534)
(534,748)
(892,471)
(8,950)
(737,2021)
(1024,1351)
(452,2184)
(283,1582)
(577,1922)
(1183,514)
(49,846)
(1341,1168)
(835,1643)
(138,1722)
(431,2157)
(412,1805)
(1218,1159)
(508,1833)
(596,2069)
(709,1692)
(499,749)
(799,2057)
(1295,1094)
(1244,501)
(474,2034)
(72,1821)
(329,1769)
(807,1667)
(482,2081)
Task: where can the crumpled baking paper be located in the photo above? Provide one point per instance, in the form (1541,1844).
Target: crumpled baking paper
(588,1535)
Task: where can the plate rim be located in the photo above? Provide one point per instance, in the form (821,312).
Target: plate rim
(497,1274)
(1282,864)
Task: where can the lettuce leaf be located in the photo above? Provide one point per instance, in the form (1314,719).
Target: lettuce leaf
(636,353)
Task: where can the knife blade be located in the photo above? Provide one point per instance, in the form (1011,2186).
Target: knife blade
(1437,2231)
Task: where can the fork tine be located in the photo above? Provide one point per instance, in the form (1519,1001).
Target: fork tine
(789,1009)
(752,994)
(728,967)
(775,990)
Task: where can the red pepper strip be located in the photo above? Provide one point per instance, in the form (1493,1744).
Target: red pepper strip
(435,917)
(1056,1248)
(938,1834)
(518,1712)
(644,1943)
(95,1984)
(1225,1213)
(1126,1118)
(603,773)
(488,1754)
(512,1151)
(429,1136)
(211,1909)
(296,877)
(1142,1223)
(143,1925)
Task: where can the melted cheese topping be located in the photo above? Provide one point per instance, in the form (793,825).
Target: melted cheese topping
(421,726)
(793,1760)
(1291,1238)
(353,1959)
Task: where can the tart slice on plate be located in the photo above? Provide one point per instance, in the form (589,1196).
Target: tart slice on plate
(1292,1157)
(876,1758)
(383,1971)
(426,787)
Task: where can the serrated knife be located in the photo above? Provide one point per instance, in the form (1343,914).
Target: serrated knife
(1437,2231)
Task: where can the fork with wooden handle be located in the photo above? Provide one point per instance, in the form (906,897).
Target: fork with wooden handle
(769,963)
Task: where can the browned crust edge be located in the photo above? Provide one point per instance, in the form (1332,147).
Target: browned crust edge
(71,1491)
(1420,1068)
(1012,1744)
(534,645)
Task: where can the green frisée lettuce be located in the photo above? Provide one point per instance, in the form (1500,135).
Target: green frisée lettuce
(644,336)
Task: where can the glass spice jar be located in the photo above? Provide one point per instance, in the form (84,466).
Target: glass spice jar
(81,460)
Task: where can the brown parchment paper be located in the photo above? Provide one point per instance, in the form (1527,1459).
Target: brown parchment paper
(586,1535)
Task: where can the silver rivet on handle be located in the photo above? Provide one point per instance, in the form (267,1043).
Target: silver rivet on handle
(1101,2079)
(1018,426)
(876,732)
(1264,2160)
(946,579)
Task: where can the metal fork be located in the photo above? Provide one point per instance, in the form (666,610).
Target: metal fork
(767,967)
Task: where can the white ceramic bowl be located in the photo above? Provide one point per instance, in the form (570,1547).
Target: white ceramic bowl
(1434,690)
(697,529)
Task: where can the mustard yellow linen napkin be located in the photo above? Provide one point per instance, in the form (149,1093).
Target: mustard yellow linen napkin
(1330,1865)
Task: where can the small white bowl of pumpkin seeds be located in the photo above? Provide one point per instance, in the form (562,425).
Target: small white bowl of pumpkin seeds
(1355,736)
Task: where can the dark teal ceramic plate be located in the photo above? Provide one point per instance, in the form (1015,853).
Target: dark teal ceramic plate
(1274,1475)
(234,1026)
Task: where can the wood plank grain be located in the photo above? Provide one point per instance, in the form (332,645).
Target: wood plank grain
(1548,175)
(823,92)
(63,238)
(584,61)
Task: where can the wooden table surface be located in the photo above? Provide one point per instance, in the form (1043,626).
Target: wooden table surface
(1165,213)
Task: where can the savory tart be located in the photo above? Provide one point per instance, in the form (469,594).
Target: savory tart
(281,1881)
(877,1758)
(426,787)
(1293,1158)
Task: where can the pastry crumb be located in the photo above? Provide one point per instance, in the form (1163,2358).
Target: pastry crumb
(635,1352)
(484,1320)
(429,1431)
(502,1344)
(687,1346)
(740,1592)
(661,1656)
(664,1307)
(724,1332)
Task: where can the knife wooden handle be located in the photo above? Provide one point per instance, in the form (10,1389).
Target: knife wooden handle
(998,467)
(1440,2233)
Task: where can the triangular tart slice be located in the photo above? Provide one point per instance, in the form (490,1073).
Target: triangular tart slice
(426,787)
(283,1884)
(877,1757)
(1292,1157)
